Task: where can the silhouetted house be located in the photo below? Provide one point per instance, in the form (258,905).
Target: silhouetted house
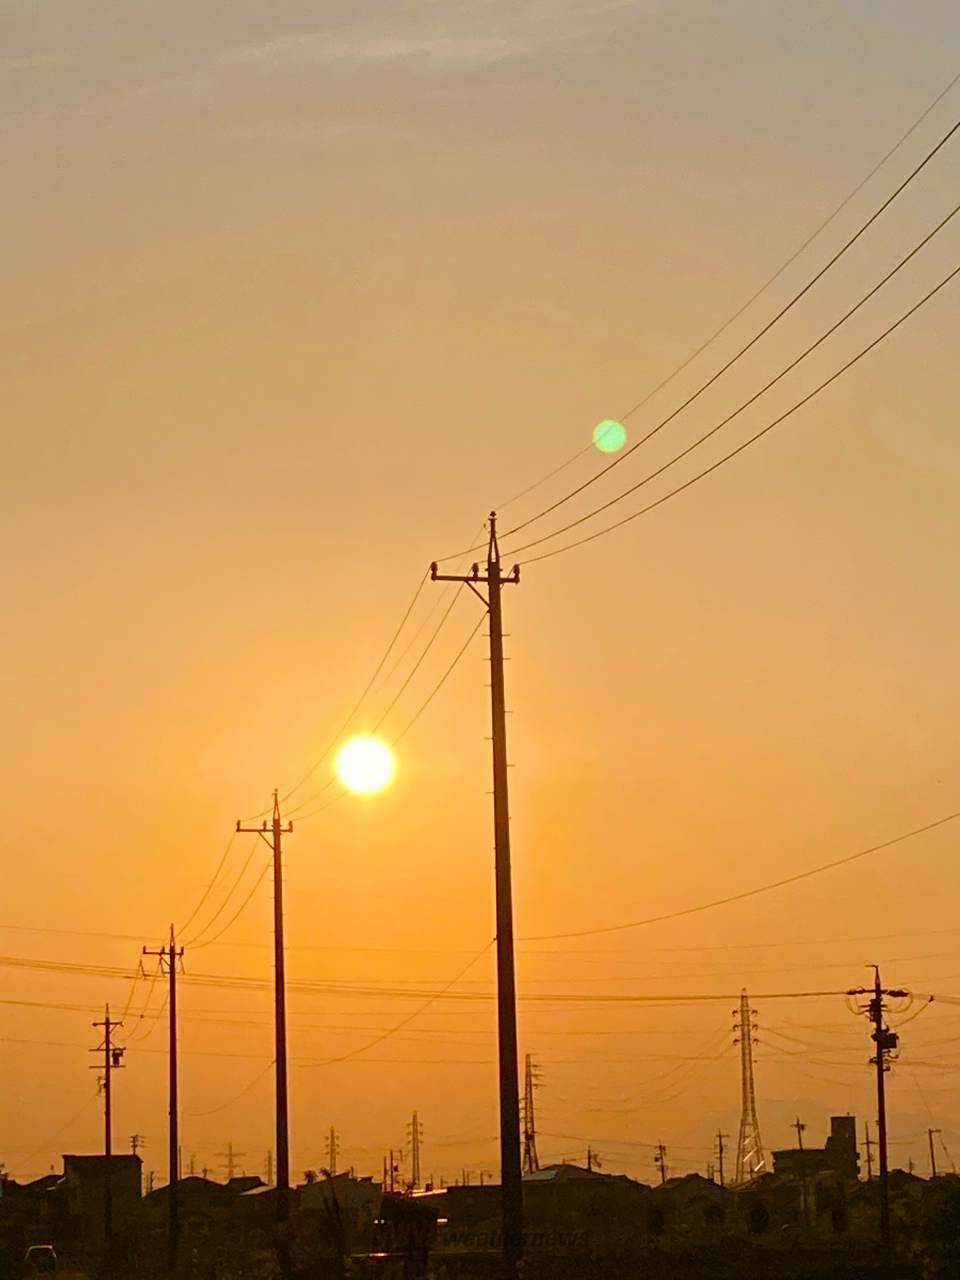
(688,1206)
(838,1156)
(203,1205)
(341,1210)
(94,1186)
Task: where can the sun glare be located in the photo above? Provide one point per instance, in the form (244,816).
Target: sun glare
(366,765)
(609,436)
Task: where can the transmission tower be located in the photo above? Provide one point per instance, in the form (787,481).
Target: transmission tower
(333,1150)
(750,1158)
(531,1161)
(415,1129)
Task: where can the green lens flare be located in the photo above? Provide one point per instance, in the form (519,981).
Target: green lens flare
(609,436)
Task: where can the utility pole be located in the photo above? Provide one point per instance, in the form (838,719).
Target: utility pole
(172,957)
(750,1158)
(660,1160)
(272,836)
(192,1166)
(886,1042)
(112,1061)
(869,1143)
(416,1136)
(531,1077)
(112,1055)
(593,1160)
(269,1168)
(804,1205)
(137,1143)
(720,1150)
(511,1183)
(933,1158)
(230,1158)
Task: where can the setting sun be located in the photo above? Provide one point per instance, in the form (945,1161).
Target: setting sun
(366,765)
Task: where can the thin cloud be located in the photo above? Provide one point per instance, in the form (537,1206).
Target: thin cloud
(466,37)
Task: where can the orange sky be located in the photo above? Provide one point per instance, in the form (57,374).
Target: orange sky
(293,297)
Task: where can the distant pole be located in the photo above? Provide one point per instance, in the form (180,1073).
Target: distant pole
(720,1151)
(416,1133)
(933,1158)
(333,1150)
(172,956)
(230,1158)
(112,1055)
(804,1203)
(531,1161)
(270,1168)
(273,835)
(886,1042)
(511,1178)
(868,1142)
(660,1159)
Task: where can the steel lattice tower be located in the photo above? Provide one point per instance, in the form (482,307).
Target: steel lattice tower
(531,1161)
(750,1158)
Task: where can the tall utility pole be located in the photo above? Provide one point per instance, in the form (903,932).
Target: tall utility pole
(172,957)
(660,1160)
(804,1209)
(416,1137)
(750,1158)
(869,1143)
(272,835)
(720,1150)
(511,1184)
(886,1042)
(112,1061)
(933,1158)
(531,1161)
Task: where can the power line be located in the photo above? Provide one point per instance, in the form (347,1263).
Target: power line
(715,466)
(226,901)
(765,329)
(303,804)
(357,705)
(748,893)
(207,891)
(237,914)
(745,306)
(410,723)
(237,1096)
(406,1021)
(419,662)
(788,368)
(788,262)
